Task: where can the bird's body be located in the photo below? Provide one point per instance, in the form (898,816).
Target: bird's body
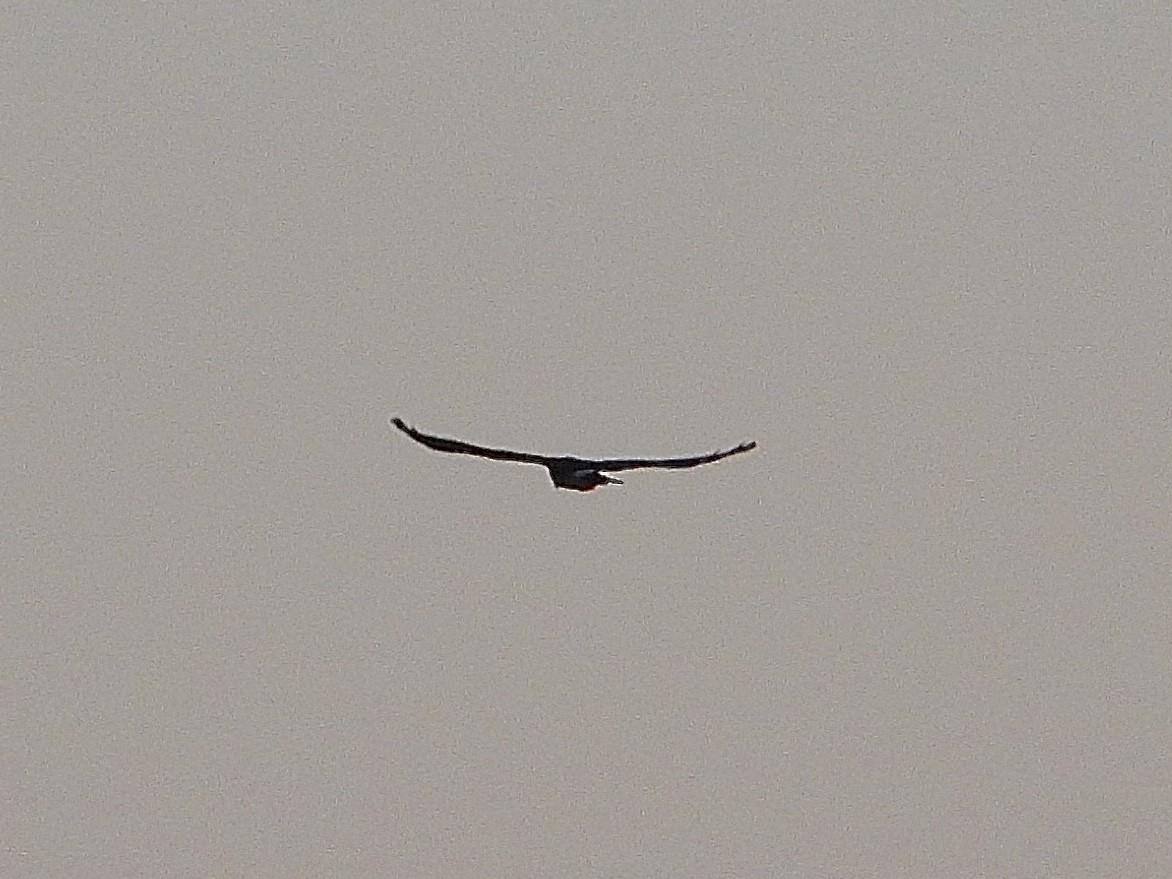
(576,474)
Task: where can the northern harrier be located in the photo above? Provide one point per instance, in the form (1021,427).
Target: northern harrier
(579,474)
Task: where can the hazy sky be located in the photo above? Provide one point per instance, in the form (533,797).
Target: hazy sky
(919,251)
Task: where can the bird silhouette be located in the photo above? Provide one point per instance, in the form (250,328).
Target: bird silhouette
(577,474)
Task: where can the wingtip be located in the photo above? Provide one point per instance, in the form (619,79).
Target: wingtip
(398,422)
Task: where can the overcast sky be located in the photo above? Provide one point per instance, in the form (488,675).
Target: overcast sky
(918,251)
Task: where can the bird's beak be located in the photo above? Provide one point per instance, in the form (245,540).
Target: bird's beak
(611,480)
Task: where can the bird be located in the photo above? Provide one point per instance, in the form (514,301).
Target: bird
(576,474)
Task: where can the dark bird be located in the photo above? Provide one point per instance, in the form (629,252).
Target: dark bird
(579,474)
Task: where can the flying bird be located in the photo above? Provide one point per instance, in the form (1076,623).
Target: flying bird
(578,474)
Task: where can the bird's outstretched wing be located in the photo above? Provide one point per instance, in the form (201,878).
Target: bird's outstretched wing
(670,463)
(441,444)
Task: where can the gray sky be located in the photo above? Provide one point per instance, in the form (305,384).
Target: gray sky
(918,251)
